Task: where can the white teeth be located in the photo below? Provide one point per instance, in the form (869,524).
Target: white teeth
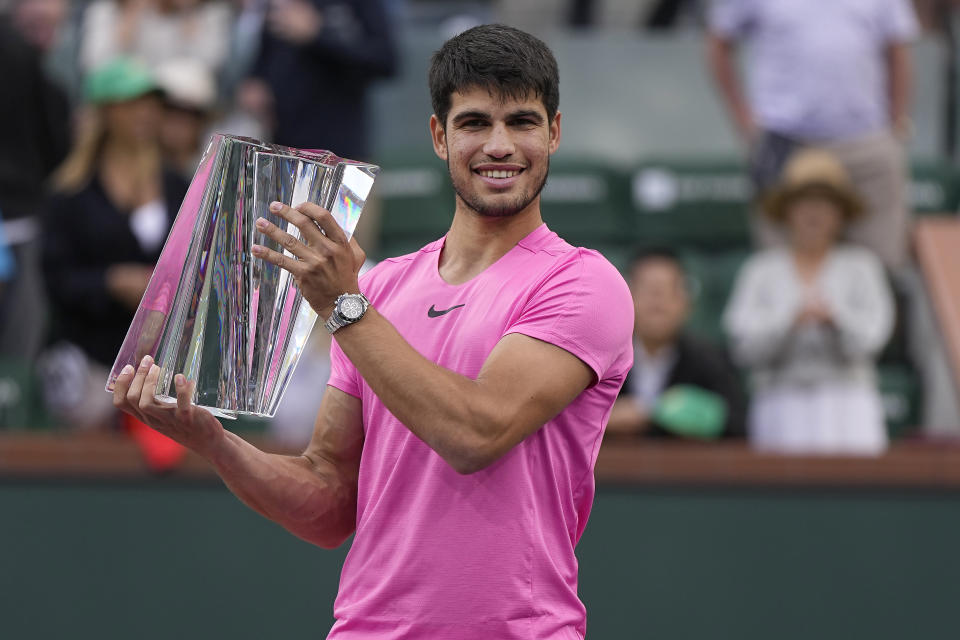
(488,173)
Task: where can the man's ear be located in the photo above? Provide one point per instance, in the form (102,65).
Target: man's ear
(555,132)
(438,135)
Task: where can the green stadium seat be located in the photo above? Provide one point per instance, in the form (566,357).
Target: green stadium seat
(712,275)
(691,202)
(588,204)
(901,392)
(417,202)
(21,404)
(934,187)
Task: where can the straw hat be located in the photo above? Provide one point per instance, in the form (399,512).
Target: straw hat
(814,172)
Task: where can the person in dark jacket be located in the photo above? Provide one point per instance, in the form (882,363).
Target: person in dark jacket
(34,138)
(679,385)
(316,61)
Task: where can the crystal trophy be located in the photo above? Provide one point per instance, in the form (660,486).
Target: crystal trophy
(235,324)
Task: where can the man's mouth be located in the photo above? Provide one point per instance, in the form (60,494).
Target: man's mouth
(498,173)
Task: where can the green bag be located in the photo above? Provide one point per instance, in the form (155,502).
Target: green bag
(691,412)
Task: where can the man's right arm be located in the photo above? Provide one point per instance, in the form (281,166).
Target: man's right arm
(314,495)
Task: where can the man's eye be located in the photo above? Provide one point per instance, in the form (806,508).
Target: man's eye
(524,122)
(473,124)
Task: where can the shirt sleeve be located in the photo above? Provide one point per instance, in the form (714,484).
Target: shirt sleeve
(585,308)
(343,375)
(899,22)
(730,18)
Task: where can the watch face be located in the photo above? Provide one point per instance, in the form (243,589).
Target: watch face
(351,307)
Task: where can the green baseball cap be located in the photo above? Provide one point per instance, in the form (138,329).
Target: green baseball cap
(118,80)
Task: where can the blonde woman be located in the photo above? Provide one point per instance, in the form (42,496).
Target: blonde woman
(113,206)
(810,318)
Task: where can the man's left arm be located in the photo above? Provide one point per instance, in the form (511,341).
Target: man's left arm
(470,423)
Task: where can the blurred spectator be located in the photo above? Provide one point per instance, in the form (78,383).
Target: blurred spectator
(678,385)
(34,137)
(113,207)
(669,14)
(809,320)
(646,14)
(316,61)
(153,31)
(189,98)
(7,266)
(832,74)
(244,43)
(934,14)
(309,84)
(39,21)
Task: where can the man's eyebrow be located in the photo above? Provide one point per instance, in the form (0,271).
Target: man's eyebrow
(526,113)
(471,115)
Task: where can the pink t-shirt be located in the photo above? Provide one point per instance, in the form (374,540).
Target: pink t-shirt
(441,555)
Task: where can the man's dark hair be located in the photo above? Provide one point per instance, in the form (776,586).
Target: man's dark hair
(506,61)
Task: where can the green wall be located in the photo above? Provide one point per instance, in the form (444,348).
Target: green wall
(167,559)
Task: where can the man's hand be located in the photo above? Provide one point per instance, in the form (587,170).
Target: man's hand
(188,424)
(295,21)
(324,264)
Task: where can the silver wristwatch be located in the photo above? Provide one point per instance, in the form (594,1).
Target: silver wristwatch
(348,308)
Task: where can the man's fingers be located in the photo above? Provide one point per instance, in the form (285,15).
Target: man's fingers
(286,240)
(324,220)
(136,385)
(284,262)
(147,401)
(121,385)
(359,255)
(308,228)
(184,393)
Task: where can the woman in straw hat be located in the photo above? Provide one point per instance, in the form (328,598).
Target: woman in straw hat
(809,319)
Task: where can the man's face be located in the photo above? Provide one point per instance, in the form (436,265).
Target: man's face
(497,150)
(660,299)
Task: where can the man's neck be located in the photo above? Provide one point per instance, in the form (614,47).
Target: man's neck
(475,242)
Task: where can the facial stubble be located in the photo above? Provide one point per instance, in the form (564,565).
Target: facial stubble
(475,202)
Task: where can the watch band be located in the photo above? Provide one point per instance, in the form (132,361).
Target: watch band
(332,324)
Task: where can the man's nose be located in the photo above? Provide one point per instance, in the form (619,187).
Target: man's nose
(500,142)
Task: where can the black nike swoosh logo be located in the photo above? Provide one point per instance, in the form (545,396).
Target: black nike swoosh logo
(433,313)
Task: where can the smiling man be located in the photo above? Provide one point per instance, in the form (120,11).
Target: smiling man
(471,382)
